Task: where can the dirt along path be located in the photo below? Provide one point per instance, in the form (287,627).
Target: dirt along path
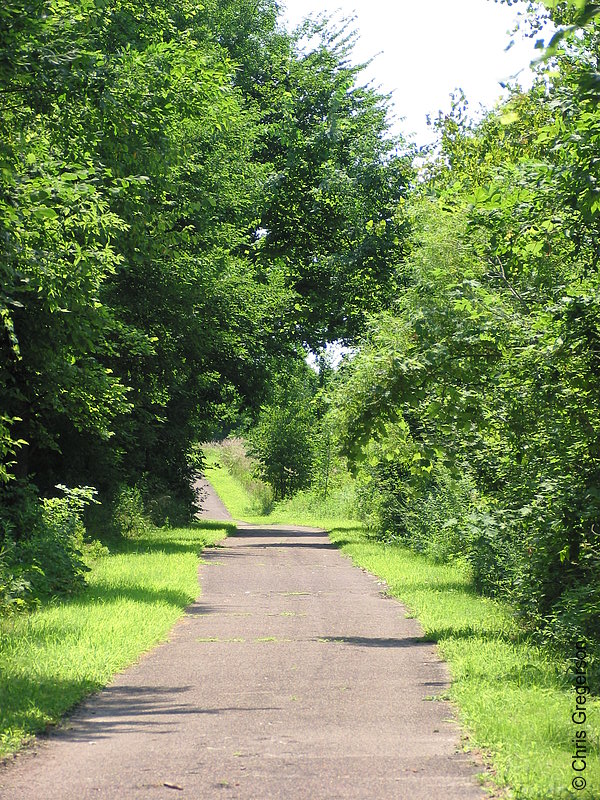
(292,677)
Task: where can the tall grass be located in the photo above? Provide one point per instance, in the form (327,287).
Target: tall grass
(232,474)
(257,496)
(51,658)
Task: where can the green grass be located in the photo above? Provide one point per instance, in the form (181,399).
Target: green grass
(53,657)
(239,504)
(514,699)
(301,509)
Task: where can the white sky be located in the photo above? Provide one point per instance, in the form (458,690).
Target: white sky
(427,50)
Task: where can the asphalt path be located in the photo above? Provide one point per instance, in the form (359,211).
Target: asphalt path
(211,505)
(292,677)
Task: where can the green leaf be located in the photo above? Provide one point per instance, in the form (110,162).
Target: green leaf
(44,212)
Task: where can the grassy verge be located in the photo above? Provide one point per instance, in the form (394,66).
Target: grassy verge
(51,658)
(515,700)
(239,504)
(303,509)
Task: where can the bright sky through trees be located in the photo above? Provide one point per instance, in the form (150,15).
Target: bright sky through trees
(426,51)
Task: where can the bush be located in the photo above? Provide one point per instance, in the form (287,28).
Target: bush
(437,519)
(430,512)
(20,512)
(129,515)
(53,559)
(520,554)
(494,551)
(43,550)
(14,587)
(576,618)
(283,440)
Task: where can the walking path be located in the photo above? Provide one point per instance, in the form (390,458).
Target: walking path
(293,677)
(212,507)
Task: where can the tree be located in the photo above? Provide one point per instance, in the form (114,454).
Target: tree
(283,440)
(331,215)
(471,410)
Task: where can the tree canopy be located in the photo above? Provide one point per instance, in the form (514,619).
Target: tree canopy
(191,197)
(145,148)
(471,410)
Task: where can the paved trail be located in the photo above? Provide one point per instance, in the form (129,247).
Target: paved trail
(212,505)
(292,677)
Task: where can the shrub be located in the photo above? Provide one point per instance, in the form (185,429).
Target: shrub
(14,587)
(53,558)
(283,440)
(428,511)
(129,514)
(43,549)
(576,618)
(493,550)
(20,511)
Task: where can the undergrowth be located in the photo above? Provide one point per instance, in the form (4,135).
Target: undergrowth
(232,473)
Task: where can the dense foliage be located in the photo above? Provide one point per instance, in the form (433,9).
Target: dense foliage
(190,196)
(471,412)
(283,440)
(187,196)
